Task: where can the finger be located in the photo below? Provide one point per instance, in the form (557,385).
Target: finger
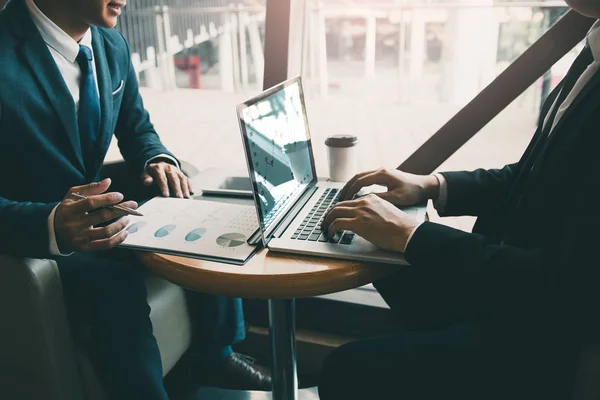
(130,204)
(376,178)
(91,189)
(350,183)
(350,203)
(175,183)
(342,224)
(185,186)
(106,244)
(189,184)
(147,179)
(103,215)
(338,212)
(389,196)
(107,231)
(346,204)
(161,178)
(95,202)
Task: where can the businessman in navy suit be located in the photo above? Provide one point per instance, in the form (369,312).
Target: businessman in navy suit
(67,84)
(503,312)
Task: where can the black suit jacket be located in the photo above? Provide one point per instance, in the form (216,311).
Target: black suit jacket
(533,253)
(40,147)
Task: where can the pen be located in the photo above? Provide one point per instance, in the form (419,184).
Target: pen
(117,207)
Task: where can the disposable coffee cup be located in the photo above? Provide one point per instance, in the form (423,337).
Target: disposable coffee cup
(342,155)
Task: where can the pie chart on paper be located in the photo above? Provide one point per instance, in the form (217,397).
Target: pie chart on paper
(135,228)
(231,240)
(164,231)
(194,235)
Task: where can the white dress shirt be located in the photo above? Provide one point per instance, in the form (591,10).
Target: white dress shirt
(593,40)
(64,51)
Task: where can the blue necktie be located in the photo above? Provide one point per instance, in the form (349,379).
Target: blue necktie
(89,108)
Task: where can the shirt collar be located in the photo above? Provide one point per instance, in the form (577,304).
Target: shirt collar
(56,37)
(594,40)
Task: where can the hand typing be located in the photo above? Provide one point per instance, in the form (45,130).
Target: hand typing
(75,221)
(374,219)
(404,189)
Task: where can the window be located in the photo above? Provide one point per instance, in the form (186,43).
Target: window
(392,73)
(196,60)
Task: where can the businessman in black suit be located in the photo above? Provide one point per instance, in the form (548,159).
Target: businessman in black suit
(500,313)
(67,84)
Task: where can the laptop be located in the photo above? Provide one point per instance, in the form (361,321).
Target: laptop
(290,200)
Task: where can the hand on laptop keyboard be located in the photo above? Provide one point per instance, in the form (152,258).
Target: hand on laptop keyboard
(374,219)
(403,189)
(311,228)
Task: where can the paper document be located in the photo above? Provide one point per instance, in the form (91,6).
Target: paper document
(194,228)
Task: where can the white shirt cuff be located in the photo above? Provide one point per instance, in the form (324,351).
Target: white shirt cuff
(162,156)
(411,235)
(54,250)
(442,200)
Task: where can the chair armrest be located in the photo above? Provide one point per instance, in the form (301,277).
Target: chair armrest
(37,354)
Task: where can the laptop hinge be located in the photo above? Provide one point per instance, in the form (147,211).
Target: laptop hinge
(294,211)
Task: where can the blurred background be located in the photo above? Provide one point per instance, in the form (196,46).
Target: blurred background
(391,72)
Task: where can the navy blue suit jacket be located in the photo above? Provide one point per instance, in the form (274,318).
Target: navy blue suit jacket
(534,248)
(40,147)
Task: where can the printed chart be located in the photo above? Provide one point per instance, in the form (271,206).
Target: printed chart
(231,240)
(194,227)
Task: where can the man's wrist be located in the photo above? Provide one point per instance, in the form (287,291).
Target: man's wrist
(411,233)
(162,157)
(431,187)
(55,249)
(404,232)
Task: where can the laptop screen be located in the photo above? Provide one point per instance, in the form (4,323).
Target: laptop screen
(278,149)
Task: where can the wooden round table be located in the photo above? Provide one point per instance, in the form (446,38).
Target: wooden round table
(280,278)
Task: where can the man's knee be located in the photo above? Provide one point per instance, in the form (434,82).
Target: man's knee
(97,270)
(96,281)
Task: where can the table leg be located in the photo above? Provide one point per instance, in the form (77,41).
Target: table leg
(282,318)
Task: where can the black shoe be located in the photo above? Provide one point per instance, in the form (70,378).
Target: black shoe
(236,372)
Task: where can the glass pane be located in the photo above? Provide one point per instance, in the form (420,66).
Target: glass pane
(196,60)
(393,72)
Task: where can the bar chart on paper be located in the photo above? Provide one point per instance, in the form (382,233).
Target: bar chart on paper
(194,228)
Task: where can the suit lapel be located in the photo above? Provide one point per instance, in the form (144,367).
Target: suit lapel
(536,141)
(105,89)
(546,110)
(530,162)
(36,55)
(573,107)
(530,175)
(547,128)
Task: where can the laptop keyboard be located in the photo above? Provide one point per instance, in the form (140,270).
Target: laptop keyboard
(310,229)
